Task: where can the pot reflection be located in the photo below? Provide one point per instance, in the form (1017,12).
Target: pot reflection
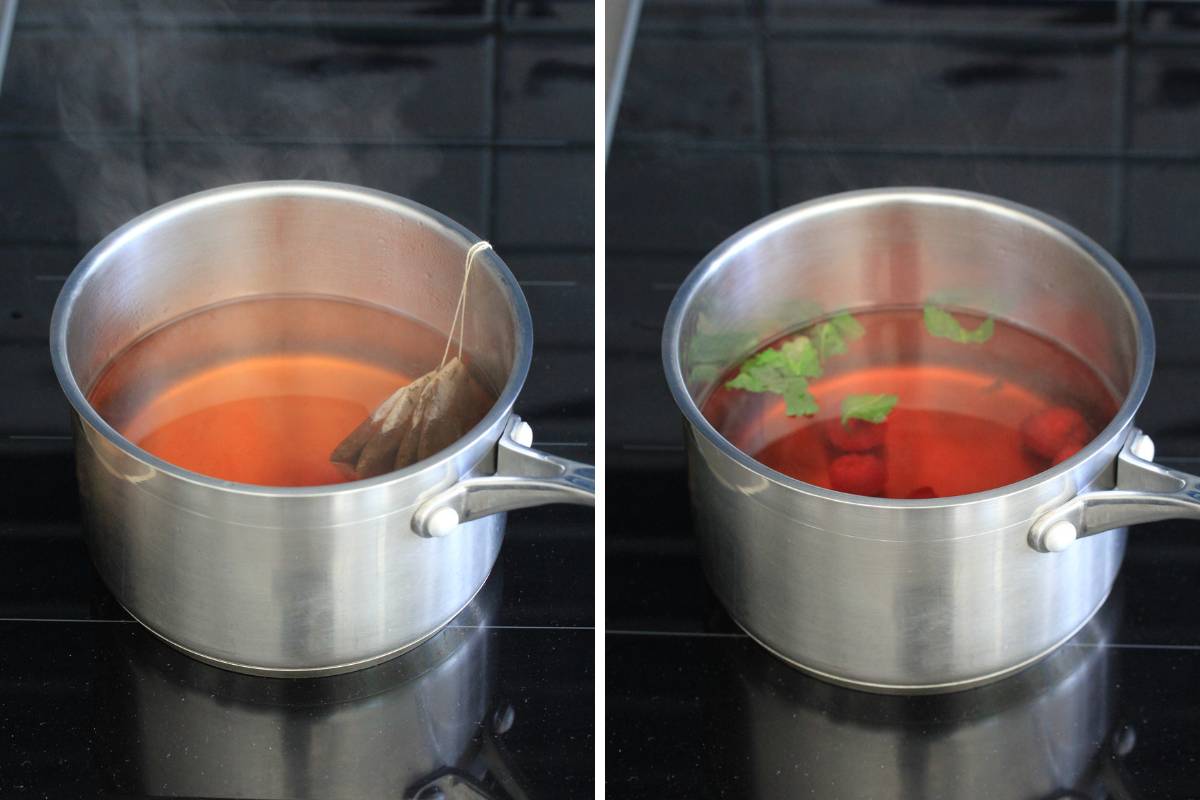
(426,724)
(1049,732)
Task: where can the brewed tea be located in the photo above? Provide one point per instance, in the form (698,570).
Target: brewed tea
(912,404)
(260,391)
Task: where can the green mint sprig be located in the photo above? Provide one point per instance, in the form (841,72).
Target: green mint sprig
(942,324)
(787,369)
(870,407)
(784,371)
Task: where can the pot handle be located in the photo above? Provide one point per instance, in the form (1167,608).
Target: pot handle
(1145,492)
(524,477)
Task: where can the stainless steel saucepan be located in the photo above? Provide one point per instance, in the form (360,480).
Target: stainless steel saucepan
(299,581)
(917,595)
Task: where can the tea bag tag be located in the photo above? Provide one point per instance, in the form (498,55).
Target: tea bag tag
(460,309)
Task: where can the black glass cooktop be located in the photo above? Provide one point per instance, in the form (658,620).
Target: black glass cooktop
(482,110)
(734,108)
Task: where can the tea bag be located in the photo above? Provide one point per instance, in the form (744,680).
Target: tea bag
(425,416)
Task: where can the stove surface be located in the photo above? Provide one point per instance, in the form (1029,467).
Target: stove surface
(482,110)
(735,108)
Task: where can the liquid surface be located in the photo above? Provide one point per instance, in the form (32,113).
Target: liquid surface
(969,417)
(261,391)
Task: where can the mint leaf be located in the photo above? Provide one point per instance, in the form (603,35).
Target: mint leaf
(941,323)
(799,400)
(718,347)
(801,357)
(846,325)
(712,348)
(787,369)
(784,371)
(831,336)
(765,372)
(744,380)
(869,407)
(751,379)
(829,341)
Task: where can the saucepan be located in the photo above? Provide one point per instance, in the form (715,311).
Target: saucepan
(309,580)
(925,595)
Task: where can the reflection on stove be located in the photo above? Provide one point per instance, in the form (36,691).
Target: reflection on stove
(425,725)
(1048,732)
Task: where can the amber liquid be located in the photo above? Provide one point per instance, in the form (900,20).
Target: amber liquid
(961,424)
(261,391)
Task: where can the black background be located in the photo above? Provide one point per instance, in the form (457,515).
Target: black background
(482,110)
(735,108)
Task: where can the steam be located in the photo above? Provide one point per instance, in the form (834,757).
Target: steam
(165,102)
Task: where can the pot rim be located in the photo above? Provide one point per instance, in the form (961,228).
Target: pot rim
(712,263)
(117,240)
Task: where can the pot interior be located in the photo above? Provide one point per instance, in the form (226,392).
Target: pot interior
(905,248)
(285,239)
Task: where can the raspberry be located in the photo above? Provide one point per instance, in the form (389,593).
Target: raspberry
(921,493)
(857,474)
(1068,450)
(856,435)
(1048,432)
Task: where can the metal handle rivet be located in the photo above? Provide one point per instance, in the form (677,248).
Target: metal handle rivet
(442,521)
(522,434)
(1143,447)
(1060,536)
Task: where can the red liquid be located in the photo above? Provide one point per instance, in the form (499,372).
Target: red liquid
(957,428)
(261,391)
(267,421)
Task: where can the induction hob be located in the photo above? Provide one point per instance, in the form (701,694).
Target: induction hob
(732,109)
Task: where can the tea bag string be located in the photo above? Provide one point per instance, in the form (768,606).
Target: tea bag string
(460,309)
